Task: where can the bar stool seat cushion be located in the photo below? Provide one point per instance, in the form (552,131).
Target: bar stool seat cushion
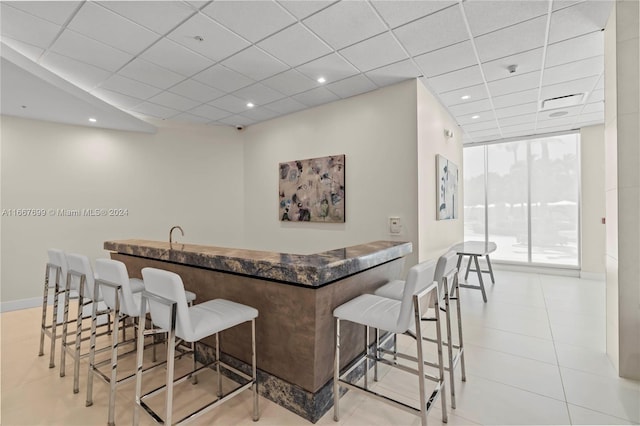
(216,315)
(373,311)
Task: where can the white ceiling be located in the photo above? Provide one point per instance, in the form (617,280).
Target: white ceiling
(198,61)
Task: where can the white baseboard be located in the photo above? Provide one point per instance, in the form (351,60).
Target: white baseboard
(598,276)
(15,305)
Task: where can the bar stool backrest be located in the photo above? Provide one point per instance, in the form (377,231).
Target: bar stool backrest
(57,258)
(168,285)
(115,272)
(80,263)
(446,263)
(419,276)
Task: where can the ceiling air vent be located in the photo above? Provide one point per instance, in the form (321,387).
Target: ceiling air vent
(562,101)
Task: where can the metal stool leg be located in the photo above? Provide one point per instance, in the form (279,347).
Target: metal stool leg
(466,274)
(113,382)
(54,321)
(76,359)
(336,374)
(45,299)
(493,281)
(375,353)
(171,347)
(460,341)
(449,343)
(254,372)
(65,322)
(366,354)
(484,294)
(218,365)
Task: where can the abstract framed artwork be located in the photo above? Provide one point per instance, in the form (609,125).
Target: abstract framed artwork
(447,180)
(312,190)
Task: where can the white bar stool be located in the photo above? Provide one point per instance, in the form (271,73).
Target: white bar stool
(394,316)
(118,292)
(80,280)
(164,292)
(446,275)
(57,265)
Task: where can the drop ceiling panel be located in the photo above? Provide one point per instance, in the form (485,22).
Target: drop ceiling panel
(518,130)
(592,117)
(258,94)
(569,88)
(295,45)
(223,78)
(83,75)
(27,28)
(114,30)
(237,120)
(218,42)
(145,71)
(154,110)
(394,73)
(158,16)
(485,125)
(303,8)
(332,67)
(177,58)
(483,116)
(230,103)
(466,77)
(444,28)
(517,120)
(486,16)
(352,86)
(517,83)
(526,108)
(345,23)
(374,52)
(197,91)
(555,122)
(89,51)
(475,93)
(317,96)
(130,87)
(260,114)
(579,19)
(253,20)
(286,106)
(290,82)
(593,107)
(573,70)
(255,63)
(190,118)
(596,96)
(470,107)
(210,112)
(574,49)
(447,59)
(526,62)
(516,98)
(512,40)
(487,134)
(171,100)
(571,112)
(398,12)
(57,12)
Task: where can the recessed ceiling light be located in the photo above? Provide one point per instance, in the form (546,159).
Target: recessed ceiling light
(93,120)
(198,38)
(474,117)
(558,113)
(250,105)
(321,79)
(465,97)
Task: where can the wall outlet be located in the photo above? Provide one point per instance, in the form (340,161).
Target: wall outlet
(395,225)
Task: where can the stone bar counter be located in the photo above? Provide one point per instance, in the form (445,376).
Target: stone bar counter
(295,295)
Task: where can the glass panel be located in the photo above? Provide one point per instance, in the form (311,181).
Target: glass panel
(474,205)
(507,200)
(554,200)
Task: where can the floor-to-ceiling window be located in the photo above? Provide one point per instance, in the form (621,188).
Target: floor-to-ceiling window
(523,195)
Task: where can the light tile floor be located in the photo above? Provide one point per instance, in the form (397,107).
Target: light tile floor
(534,354)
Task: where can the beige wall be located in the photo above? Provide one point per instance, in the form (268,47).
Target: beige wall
(189,176)
(377,133)
(622,130)
(592,198)
(436,236)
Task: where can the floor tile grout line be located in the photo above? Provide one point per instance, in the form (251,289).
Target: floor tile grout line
(555,351)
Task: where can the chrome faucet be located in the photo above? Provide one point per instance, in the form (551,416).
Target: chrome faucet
(171,233)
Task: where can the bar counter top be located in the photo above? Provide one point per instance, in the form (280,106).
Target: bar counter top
(312,270)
